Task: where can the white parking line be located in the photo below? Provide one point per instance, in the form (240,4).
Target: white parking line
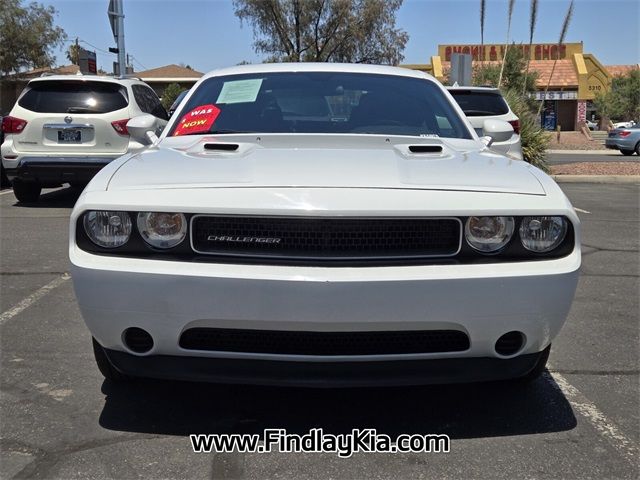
(595,417)
(33,298)
(6,191)
(581,210)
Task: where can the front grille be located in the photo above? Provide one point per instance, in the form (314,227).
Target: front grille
(326,238)
(324,343)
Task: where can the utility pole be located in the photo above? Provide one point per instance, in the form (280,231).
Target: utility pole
(116,18)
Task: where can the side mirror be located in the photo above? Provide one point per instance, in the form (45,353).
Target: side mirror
(143,128)
(496,131)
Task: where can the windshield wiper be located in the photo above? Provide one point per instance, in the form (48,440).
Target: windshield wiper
(228,130)
(216,132)
(478,112)
(81,110)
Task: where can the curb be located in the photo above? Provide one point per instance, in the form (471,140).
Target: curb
(624,179)
(586,152)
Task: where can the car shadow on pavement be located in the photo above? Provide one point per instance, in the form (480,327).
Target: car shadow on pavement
(460,411)
(61,198)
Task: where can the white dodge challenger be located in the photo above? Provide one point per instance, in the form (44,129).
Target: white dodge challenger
(322,225)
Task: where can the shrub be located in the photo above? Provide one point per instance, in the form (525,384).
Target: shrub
(534,140)
(170,94)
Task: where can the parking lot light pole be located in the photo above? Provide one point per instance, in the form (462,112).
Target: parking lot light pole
(116,19)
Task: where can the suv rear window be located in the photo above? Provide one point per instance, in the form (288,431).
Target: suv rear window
(74,97)
(479,104)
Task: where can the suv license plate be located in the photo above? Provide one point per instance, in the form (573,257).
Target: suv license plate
(69,136)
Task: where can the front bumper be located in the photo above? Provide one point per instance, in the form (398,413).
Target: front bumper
(336,374)
(166,298)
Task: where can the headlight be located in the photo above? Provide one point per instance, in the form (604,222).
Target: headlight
(488,234)
(162,230)
(107,229)
(542,234)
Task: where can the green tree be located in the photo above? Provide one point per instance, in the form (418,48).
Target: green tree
(514,75)
(622,101)
(28,36)
(359,31)
(170,94)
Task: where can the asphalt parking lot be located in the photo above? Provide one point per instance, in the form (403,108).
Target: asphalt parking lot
(556,158)
(60,420)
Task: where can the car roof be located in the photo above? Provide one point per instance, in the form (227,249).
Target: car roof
(87,78)
(318,67)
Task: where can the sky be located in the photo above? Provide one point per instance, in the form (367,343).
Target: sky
(206,35)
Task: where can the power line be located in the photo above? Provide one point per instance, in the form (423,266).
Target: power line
(97,48)
(106,51)
(138,62)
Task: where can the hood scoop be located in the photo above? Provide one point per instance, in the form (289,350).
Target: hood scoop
(221,147)
(425,148)
(211,146)
(432,149)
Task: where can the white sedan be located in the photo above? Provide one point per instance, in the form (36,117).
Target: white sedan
(322,225)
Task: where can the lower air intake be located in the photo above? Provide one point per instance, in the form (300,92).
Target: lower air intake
(324,343)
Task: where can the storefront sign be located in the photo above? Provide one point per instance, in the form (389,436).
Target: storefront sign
(538,51)
(557,95)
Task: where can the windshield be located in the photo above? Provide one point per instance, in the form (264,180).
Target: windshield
(319,102)
(178,99)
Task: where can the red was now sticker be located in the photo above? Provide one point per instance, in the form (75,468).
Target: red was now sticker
(198,120)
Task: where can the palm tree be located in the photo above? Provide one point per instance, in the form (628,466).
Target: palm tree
(533,17)
(563,34)
(73,54)
(483,5)
(506,45)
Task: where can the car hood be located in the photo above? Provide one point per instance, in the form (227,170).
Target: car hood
(324,161)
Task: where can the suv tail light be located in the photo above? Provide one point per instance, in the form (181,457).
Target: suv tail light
(516,126)
(120,126)
(13,125)
(624,133)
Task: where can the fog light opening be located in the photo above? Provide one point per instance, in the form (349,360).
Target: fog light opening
(510,343)
(137,340)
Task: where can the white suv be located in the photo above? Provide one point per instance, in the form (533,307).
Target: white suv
(485,103)
(65,128)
